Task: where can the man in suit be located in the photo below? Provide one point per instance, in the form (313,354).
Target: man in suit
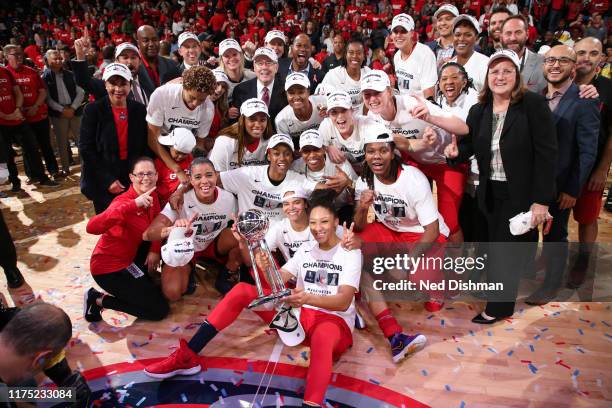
(154,69)
(267,85)
(64,100)
(577,124)
(301,50)
(514,37)
(189,49)
(126,53)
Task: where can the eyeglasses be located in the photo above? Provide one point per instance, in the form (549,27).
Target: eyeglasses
(563,61)
(148,174)
(503,73)
(264,63)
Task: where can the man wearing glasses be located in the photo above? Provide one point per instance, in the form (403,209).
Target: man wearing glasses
(266,86)
(577,122)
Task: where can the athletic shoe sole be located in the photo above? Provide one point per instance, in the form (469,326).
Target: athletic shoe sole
(415,345)
(182,371)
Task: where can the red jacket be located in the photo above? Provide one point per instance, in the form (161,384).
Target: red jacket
(121,226)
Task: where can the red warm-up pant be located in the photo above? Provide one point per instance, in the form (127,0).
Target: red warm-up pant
(328,335)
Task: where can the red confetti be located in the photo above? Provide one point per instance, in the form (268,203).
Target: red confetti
(559,342)
(562,364)
(239,383)
(587,307)
(526,361)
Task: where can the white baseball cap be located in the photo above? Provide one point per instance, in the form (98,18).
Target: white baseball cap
(265,52)
(125,46)
(179,249)
(508,54)
(186,35)
(280,138)
(221,76)
(376,79)
(272,34)
(252,106)
(291,193)
(228,44)
(116,69)
(403,20)
(339,99)
(448,8)
(311,137)
(297,78)
(181,139)
(376,132)
(287,324)
(469,19)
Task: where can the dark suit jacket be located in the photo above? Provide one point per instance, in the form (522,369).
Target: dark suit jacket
(528,146)
(248,89)
(166,68)
(577,122)
(95,86)
(99,148)
(315,76)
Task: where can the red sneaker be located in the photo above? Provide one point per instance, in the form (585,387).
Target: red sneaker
(182,362)
(434,305)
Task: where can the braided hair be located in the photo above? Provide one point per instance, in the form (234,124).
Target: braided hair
(396,164)
(469,81)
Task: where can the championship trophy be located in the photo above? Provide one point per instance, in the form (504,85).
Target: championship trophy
(252,225)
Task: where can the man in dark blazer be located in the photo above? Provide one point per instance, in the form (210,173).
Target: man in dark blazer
(101,164)
(126,53)
(577,123)
(301,50)
(154,69)
(267,85)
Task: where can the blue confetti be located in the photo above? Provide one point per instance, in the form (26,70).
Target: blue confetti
(290,357)
(581,332)
(511,352)
(373,381)
(462,405)
(592,324)
(459,350)
(532,348)
(578,349)
(533,368)
(424,372)
(472,333)
(556,313)
(447,387)
(583,320)
(370,350)
(489,334)
(442,322)
(536,337)
(544,329)
(183,398)
(223,392)
(606,324)
(492,350)
(429,317)
(608,335)
(304,355)
(576,373)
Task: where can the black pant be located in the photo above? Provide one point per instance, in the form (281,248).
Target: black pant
(23,135)
(507,253)
(43,138)
(8,254)
(555,247)
(135,296)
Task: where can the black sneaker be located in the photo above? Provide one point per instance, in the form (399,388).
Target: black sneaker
(16,188)
(225,280)
(192,284)
(91,311)
(49,183)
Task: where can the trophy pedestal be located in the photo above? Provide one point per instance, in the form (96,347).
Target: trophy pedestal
(269,298)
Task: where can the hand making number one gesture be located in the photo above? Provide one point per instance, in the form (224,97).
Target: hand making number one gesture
(145,200)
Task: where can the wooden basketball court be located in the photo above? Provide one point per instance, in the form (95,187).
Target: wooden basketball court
(559,355)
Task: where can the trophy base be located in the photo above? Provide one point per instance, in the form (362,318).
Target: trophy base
(269,298)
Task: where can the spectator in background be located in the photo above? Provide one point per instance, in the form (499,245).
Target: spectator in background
(596,28)
(301,51)
(35,111)
(189,49)
(231,62)
(64,100)
(493,41)
(105,145)
(337,57)
(154,69)
(219,99)
(276,40)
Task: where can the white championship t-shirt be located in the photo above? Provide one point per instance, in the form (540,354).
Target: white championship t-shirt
(322,272)
(476,68)
(407,125)
(213,217)
(418,71)
(407,204)
(283,237)
(352,147)
(224,154)
(168,110)
(254,189)
(329,169)
(339,80)
(286,122)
